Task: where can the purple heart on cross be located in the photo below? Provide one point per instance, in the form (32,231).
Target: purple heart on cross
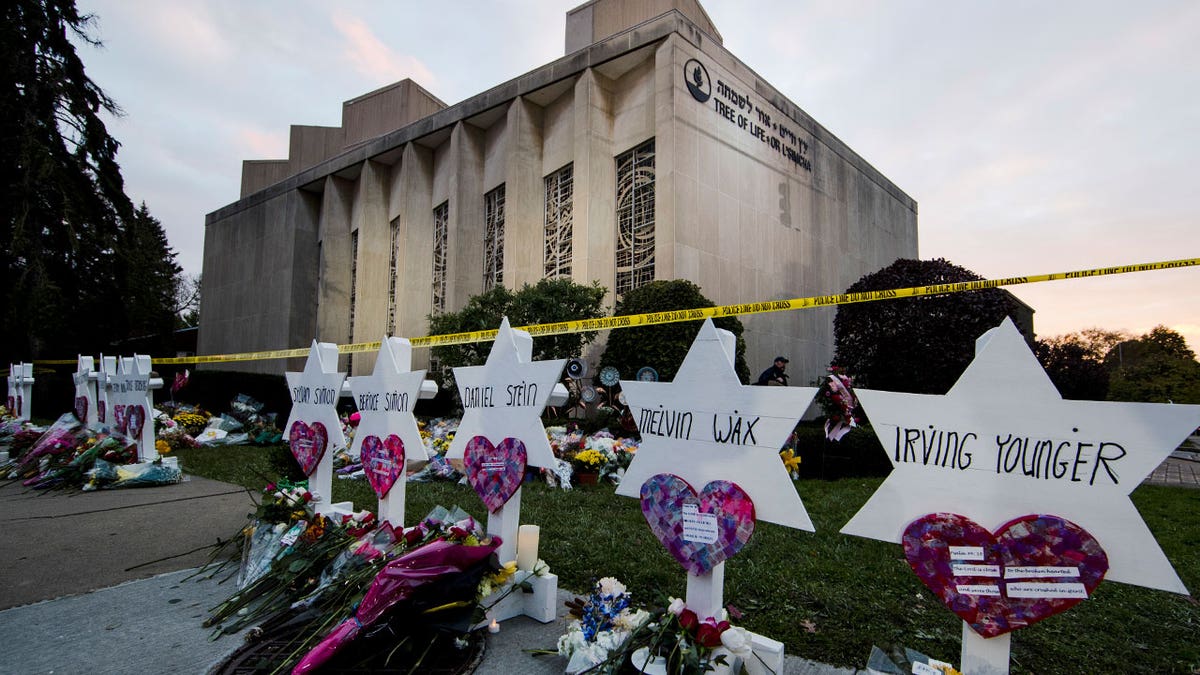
(1032,568)
(383,462)
(81,409)
(698,530)
(308,444)
(495,471)
(119,419)
(135,419)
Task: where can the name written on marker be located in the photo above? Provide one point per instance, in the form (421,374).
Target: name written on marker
(727,428)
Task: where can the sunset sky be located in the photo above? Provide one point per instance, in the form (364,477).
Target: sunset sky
(1035,137)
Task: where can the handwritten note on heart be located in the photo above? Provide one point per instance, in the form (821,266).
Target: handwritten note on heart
(496,471)
(1034,567)
(698,530)
(308,444)
(383,462)
(119,419)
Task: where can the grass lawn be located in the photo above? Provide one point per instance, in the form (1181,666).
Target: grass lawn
(828,596)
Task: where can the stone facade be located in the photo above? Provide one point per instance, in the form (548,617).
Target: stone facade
(647,152)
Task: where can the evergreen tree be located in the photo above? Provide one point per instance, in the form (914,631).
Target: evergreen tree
(62,199)
(148,278)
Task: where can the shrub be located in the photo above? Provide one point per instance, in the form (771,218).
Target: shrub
(663,347)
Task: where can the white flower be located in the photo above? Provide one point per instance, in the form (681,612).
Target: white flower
(541,568)
(572,640)
(676,607)
(610,640)
(631,621)
(737,640)
(610,587)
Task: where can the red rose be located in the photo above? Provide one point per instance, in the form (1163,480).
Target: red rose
(709,635)
(688,619)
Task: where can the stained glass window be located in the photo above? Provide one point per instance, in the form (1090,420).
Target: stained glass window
(560,191)
(441,236)
(635,217)
(493,239)
(392,269)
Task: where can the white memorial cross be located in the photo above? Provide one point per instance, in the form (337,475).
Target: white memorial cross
(1001,444)
(104,381)
(133,388)
(722,430)
(385,400)
(504,398)
(23,386)
(85,378)
(11,402)
(315,392)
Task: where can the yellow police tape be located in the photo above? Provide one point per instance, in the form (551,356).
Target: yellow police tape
(611,322)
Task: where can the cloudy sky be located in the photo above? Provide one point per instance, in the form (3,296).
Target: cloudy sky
(1036,137)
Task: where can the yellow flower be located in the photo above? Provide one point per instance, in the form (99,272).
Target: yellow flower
(162,447)
(502,575)
(590,458)
(791,461)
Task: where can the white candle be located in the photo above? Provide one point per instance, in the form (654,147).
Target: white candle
(493,627)
(527,546)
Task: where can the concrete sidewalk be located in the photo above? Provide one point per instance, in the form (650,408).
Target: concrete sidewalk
(65,542)
(154,626)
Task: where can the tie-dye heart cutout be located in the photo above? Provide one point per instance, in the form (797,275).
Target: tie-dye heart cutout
(81,406)
(383,462)
(135,419)
(308,444)
(101,412)
(700,531)
(119,420)
(1034,567)
(496,471)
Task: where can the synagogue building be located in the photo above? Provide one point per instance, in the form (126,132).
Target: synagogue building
(647,152)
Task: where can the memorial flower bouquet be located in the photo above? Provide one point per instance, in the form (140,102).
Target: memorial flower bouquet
(901,660)
(676,640)
(589,461)
(602,623)
(838,402)
(193,421)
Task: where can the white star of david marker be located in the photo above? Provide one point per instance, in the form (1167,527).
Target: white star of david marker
(504,398)
(1002,443)
(706,425)
(315,392)
(386,397)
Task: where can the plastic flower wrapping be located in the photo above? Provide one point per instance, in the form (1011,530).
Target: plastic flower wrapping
(71,455)
(901,660)
(342,585)
(838,402)
(604,622)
